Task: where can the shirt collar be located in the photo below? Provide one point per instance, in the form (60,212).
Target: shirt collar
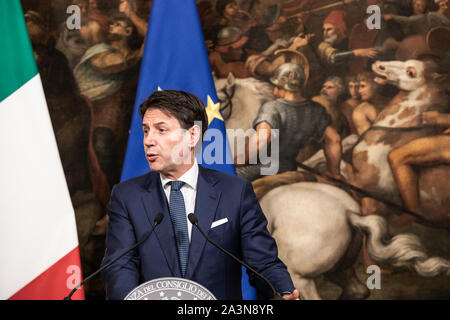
(190,177)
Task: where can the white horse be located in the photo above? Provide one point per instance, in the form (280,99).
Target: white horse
(318,229)
(240,100)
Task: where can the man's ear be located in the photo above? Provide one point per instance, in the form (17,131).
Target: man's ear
(194,135)
(129,31)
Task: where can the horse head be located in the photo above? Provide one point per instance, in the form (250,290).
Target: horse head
(240,99)
(225,88)
(407,75)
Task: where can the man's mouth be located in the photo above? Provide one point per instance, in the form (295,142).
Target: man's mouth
(330,39)
(152,156)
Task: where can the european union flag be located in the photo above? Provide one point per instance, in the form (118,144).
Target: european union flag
(175,57)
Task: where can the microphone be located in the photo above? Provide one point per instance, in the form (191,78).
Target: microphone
(159,217)
(194,220)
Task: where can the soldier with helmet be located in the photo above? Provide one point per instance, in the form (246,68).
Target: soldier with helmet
(229,54)
(230,15)
(297,119)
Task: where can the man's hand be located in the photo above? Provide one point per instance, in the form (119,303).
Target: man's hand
(335,175)
(327,173)
(369,52)
(301,41)
(293,296)
(435,117)
(431,117)
(388,16)
(125,8)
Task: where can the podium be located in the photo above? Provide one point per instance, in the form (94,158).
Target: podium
(170,289)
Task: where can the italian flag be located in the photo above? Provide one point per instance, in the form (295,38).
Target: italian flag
(39,256)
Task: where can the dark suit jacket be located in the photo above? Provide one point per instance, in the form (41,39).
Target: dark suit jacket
(133,207)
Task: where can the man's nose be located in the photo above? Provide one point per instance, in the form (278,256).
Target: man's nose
(149,139)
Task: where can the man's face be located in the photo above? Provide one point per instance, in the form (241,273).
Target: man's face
(119,29)
(330,33)
(167,145)
(84,6)
(235,54)
(231,10)
(353,89)
(258,11)
(443,5)
(419,6)
(330,91)
(36,33)
(279,92)
(93,4)
(366,90)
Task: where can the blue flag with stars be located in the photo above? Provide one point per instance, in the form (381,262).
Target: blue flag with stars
(175,57)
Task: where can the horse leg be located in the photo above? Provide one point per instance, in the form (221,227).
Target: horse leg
(352,288)
(306,287)
(343,274)
(368,207)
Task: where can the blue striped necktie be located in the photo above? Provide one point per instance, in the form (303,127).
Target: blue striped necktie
(179,221)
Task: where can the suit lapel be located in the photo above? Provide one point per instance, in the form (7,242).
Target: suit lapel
(154,202)
(205,209)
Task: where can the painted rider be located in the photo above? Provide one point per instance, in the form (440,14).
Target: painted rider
(297,121)
(334,51)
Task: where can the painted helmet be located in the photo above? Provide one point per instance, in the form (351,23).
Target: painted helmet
(289,76)
(230,37)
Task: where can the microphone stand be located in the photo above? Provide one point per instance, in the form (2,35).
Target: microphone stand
(193,219)
(159,217)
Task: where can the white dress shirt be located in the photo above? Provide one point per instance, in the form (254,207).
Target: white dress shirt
(189,191)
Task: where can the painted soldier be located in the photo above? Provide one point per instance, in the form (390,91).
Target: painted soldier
(297,120)
(334,50)
(229,54)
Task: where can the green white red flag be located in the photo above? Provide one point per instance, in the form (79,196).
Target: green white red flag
(39,256)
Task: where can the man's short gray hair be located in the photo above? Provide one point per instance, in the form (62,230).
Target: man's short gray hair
(338,82)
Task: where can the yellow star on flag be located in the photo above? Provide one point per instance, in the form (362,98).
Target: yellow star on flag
(213,110)
(159,88)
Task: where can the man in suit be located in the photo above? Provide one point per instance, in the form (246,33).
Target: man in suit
(226,207)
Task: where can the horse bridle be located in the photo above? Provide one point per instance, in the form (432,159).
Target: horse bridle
(229,104)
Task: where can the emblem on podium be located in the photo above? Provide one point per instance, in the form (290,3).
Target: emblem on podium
(170,289)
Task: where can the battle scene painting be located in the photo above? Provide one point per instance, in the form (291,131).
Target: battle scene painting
(360,202)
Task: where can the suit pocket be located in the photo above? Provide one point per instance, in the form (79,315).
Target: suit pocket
(219,222)
(218,233)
